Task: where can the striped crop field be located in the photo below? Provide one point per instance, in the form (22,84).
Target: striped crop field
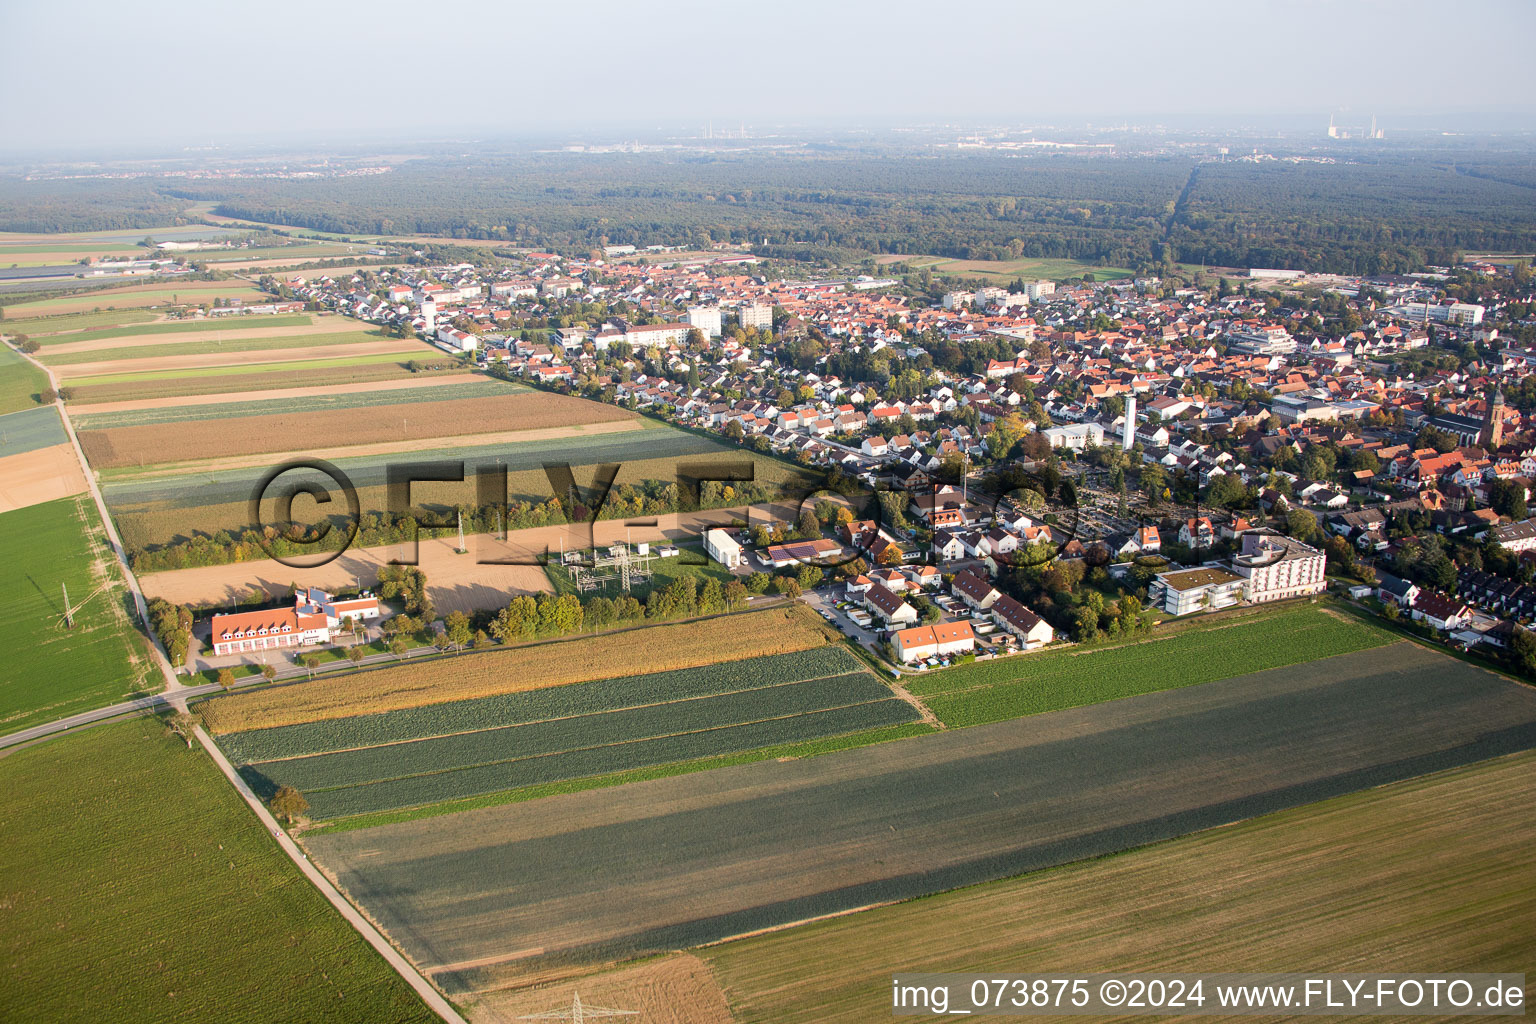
(479,387)
(106,332)
(412,757)
(309,342)
(513,670)
(44,327)
(286,431)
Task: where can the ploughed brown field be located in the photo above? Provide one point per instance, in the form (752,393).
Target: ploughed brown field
(283,432)
(776,630)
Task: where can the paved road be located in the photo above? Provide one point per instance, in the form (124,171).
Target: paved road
(480,896)
(149,703)
(172,684)
(176,695)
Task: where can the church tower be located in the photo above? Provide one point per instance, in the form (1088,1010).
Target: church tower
(1493,421)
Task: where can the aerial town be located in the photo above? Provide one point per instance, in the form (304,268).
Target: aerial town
(1241,444)
(693,515)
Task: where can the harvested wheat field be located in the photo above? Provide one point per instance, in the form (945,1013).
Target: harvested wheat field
(108,367)
(678,989)
(777,630)
(225,439)
(38,476)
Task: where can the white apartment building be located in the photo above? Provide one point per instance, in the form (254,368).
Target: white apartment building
(754,314)
(1277,567)
(706,319)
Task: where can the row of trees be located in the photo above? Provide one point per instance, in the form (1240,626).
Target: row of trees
(642,499)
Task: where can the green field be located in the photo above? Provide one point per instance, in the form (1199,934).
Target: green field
(138,887)
(83,248)
(1432,870)
(138,298)
(478,387)
(31,429)
(20,381)
(52,672)
(226,323)
(1028,684)
(427,755)
(399,358)
(1002,272)
(41,327)
(316,250)
(196,348)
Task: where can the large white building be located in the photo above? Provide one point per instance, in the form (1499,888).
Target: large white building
(754,314)
(1277,567)
(1193,590)
(719,546)
(706,319)
(1464,314)
(1261,341)
(1074,435)
(314,619)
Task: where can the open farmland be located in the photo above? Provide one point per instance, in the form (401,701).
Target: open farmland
(578,660)
(44,329)
(51,671)
(296,431)
(111,330)
(42,474)
(20,382)
(135,297)
(448,751)
(195,330)
(430,389)
(37,462)
(1200,652)
(96,930)
(245,380)
(588,877)
(152,511)
(201,351)
(321,350)
(1002,272)
(31,429)
(1429,871)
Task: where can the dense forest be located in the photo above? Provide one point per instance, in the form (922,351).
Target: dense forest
(1377,210)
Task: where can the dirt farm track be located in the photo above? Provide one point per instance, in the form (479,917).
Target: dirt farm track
(485,897)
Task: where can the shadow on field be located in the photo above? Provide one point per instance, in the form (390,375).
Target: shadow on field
(1052,853)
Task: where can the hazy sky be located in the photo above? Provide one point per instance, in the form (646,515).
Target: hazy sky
(79,73)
